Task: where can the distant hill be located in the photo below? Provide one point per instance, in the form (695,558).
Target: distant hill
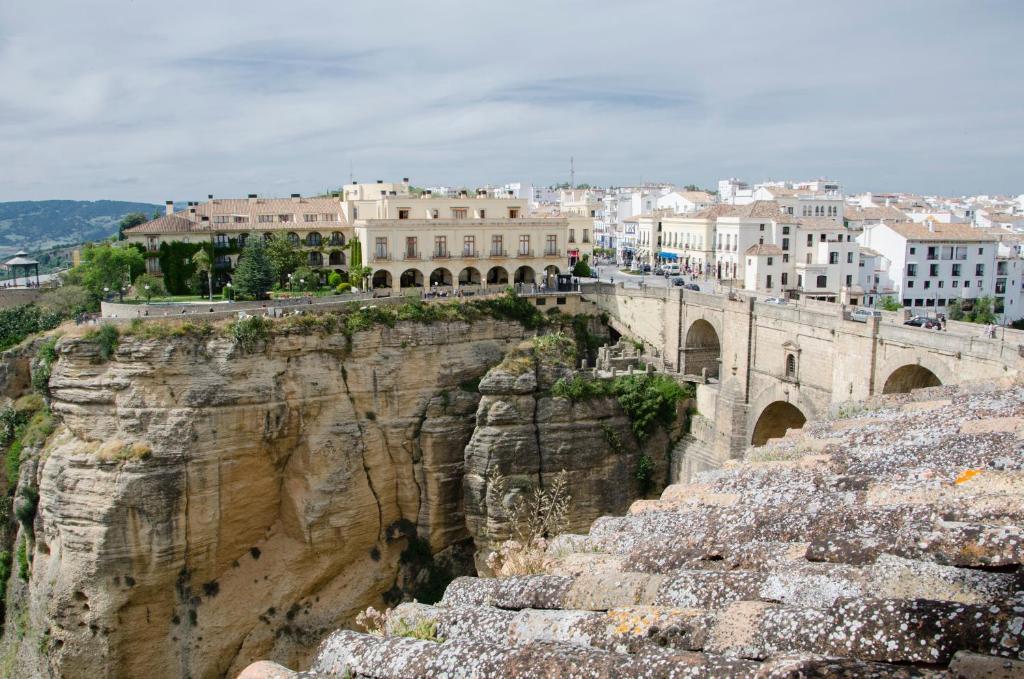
(39,224)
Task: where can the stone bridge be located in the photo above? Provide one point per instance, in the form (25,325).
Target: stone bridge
(763,368)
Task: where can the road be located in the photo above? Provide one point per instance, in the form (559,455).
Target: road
(610,273)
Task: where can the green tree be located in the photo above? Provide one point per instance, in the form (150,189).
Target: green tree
(67,301)
(335,279)
(890,304)
(254,276)
(107,266)
(982,312)
(955,310)
(149,286)
(582,268)
(357,273)
(130,220)
(284,257)
(305,279)
(204,265)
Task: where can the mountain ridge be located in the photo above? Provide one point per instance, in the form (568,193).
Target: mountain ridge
(39,224)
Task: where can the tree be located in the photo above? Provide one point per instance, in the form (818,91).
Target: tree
(128,221)
(67,301)
(955,310)
(305,279)
(204,264)
(335,279)
(254,275)
(982,312)
(284,257)
(106,267)
(890,304)
(582,268)
(357,273)
(149,285)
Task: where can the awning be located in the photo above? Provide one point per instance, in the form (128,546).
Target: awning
(668,255)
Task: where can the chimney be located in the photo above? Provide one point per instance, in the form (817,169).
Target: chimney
(405,180)
(296,197)
(169,207)
(209,196)
(380,181)
(252,197)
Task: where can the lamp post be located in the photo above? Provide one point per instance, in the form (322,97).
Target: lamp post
(231,295)
(106,292)
(147,293)
(289,282)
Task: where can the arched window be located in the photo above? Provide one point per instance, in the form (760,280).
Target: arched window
(791,366)
(316,259)
(313,239)
(337,238)
(293,238)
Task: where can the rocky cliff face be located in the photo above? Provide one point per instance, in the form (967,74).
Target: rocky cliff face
(201,507)
(529,436)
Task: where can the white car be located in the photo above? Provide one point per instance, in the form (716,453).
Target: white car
(862,314)
(776,300)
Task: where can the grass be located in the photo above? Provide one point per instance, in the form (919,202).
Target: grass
(116,450)
(423,629)
(106,338)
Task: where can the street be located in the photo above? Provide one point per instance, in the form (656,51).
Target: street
(610,273)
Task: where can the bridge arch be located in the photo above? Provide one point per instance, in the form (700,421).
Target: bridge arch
(906,378)
(775,420)
(702,349)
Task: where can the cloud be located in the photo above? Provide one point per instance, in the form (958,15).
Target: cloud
(235,97)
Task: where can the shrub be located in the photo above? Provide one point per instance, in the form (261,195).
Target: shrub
(17,323)
(335,280)
(116,450)
(579,388)
(644,471)
(248,332)
(12,462)
(23,569)
(343,287)
(45,358)
(532,521)
(25,511)
(38,428)
(106,337)
(649,400)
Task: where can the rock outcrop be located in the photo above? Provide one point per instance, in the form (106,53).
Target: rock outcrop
(886,544)
(202,506)
(529,436)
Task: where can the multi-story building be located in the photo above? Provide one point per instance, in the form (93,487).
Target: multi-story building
(811,200)
(933,263)
(873,277)
(409,240)
(684,202)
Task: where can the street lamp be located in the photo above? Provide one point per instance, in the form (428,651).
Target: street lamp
(106,292)
(231,296)
(147,293)
(289,282)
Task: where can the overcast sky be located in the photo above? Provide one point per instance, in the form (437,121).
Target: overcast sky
(150,101)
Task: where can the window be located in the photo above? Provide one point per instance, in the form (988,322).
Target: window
(849,281)
(1000,286)
(435,213)
(221,240)
(264,219)
(810,239)
(286,218)
(906,301)
(933,269)
(770,260)
(313,238)
(956,269)
(917,302)
(942,284)
(808,258)
(785,278)
(821,281)
(785,260)
(458,213)
(586,235)
(153,265)
(947,252)
(440,246)
(967,284)
(220,219)
(328,217)
(403,213)
(823,238)
(524,245)
(411,247)
(785,231)
(927,284)
(911,269)
(497,247)
(572,235)
(1001,268)
(913,251)
(933,252)
(355,213)
(293,238)
(981,251)
(961,252)
(308,218)
(833,258)
(513,213)
(243,238)
(956,284)
(979,269)
(910,284)
(469,246)
(791,366)
(316,259)
(762,227)
(551,245)
(849,258)
(483,214)
(768,282)
(380,247)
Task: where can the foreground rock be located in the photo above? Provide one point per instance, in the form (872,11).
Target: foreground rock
(885,545)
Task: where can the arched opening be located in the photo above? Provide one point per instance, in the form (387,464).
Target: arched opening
(313,239)
(908,378)
(497,276)
(469,276)
(440,276)
(778,418)
(316,259)
(411,278)
(337,239)
(703,350)
(293,238)
(337,258)
(551,276)
(791,366)
(525,274)
(381,279)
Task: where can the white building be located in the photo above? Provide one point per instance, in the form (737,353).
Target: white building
(932,263)
(685,202)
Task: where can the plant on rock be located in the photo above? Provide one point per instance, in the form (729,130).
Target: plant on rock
(533,519)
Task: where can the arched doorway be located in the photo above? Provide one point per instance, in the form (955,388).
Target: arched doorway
(775,420)
(411,278)
(336,258)
(908,378)
(469,276)
(497,276)
(381,279)
(702,350)
(551,276)
(525,274)
(440,276)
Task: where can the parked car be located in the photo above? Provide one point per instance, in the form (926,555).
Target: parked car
(692,286)
(862,314)
(922,322)
(678,281)
(670,269)
(776,300)
(646,268)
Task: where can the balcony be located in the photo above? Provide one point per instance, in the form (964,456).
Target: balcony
(412,255)
(552,253)
(381,257)
(498,253)
(470,254)
(522,254)
(441,254)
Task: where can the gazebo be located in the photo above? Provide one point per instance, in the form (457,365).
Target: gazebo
(21,261)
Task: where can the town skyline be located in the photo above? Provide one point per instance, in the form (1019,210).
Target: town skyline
(258,98)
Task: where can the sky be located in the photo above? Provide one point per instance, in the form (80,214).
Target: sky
(150,101)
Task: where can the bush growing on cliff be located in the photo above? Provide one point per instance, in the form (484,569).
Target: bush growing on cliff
(249,331)
(532,519)
(17,323)
(106,338)
(649,400)
(45,358)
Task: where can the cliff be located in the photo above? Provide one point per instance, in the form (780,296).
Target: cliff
(202,505)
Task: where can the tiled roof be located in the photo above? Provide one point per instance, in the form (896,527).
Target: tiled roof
(940,231)
(167,224)
(820,224)
(764,249)
(191,219)
(883,213)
